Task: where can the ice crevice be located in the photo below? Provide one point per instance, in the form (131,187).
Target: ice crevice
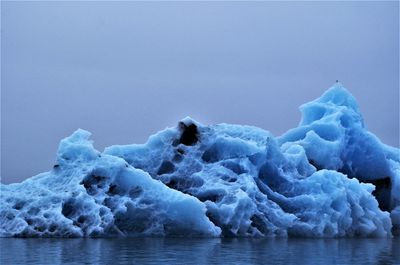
(328,177)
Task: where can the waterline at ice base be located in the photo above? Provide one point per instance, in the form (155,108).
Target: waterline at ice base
(329,177)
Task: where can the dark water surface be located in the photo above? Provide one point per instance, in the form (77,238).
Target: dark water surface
(199,251)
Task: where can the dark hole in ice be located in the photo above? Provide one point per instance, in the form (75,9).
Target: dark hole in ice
(165,168)
(212,154)
(228,178)
(95,233)
(258,223)
(81,219)
(209,156)
(269,174)
(93,182)
(396,230)
(52,228)
(175,142)
(19,205)
(102,211)
(180,151)
(10,216)
(227,230)
(172,184)
(313,163)
(236,168)
(85,183)
(177,158)
(213,197)
(68,208)
(56,166)
(211,216)
(135,192)
(109,203)
(189,134)
(184,184)
(39,228)
(113,189)
(382,192)
(33,211)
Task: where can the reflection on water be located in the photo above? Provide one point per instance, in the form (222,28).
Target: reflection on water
(199,251)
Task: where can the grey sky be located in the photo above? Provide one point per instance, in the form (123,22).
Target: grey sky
(125,70)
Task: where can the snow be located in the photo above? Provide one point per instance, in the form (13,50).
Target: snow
(329,177)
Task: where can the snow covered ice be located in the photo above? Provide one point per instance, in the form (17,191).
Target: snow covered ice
(329,177)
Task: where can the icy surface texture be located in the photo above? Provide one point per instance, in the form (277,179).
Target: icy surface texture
(329,177)
(334,137)
(91,194)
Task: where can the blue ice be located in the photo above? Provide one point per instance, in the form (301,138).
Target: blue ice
(329,177)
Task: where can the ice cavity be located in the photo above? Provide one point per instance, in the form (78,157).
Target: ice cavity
(326,178)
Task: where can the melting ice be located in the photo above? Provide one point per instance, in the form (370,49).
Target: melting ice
(329,177)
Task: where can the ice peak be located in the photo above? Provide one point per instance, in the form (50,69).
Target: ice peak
(77,145)
(340,96)
(188,121)
(80,135)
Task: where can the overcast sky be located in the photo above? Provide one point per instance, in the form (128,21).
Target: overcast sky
(125,70)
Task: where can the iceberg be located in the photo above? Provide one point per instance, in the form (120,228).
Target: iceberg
(329,177)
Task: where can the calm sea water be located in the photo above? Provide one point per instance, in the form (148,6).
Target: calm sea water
(199,251)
